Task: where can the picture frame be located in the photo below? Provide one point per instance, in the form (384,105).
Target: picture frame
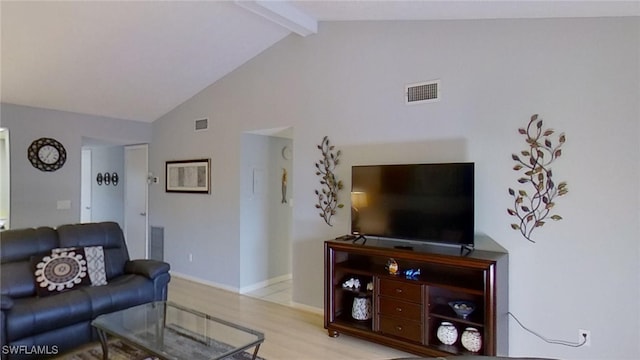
(188,176)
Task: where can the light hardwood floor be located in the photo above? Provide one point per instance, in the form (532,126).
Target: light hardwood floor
(290,333)
(280,293)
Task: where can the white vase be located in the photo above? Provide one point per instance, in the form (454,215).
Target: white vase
(447,333)
(361,308)
(471,339)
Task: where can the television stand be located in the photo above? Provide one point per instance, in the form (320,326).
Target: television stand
(406,312)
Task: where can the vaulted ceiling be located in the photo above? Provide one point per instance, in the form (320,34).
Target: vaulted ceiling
(138,60)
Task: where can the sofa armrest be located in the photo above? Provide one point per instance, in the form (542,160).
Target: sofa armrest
(6,302)
(148,268)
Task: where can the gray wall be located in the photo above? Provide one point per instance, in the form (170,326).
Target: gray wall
(34,194)
(107,201)
(347,82)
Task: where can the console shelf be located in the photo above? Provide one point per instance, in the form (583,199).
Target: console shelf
(406,312)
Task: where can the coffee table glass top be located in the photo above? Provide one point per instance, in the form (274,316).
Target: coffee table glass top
(170,331)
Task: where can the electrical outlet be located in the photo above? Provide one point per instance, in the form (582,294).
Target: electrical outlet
(584,336)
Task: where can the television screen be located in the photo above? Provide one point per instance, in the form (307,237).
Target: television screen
(421,202)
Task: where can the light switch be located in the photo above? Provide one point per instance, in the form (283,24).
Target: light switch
(64,204)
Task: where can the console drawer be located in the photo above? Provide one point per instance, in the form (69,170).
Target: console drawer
(401,290)
(394,307)
(406,329)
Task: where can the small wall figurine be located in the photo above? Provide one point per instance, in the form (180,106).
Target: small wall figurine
(284,186)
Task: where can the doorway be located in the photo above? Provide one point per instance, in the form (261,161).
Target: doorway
(136,224)
(85,186)
(266,214)
(5,180)
(100,198)
(123,201)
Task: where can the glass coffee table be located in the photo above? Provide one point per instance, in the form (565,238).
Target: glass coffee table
(172,332)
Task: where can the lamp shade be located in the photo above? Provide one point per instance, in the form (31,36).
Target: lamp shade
(359,199)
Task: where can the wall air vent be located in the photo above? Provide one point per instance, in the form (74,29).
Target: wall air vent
(201,124)
(423,92)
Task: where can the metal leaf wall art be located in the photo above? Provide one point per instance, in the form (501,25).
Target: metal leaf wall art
(534,207)
(328,194)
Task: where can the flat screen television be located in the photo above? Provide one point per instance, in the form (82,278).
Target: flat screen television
(419,202)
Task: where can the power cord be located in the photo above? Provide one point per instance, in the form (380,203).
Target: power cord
(551,341)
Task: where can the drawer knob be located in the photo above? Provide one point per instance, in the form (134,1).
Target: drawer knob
(399,309)
(398,290)
(399,328)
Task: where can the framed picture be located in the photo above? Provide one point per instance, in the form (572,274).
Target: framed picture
(188,176)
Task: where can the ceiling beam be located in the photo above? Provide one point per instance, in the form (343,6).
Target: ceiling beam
(283,14)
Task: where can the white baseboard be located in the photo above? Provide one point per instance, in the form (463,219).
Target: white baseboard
(308,308)
(205,282)
(260,285)
(246,289)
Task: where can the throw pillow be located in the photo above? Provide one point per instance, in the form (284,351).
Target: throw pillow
(60,272)
(95,263)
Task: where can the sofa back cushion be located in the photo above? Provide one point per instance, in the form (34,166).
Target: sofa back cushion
(17,247)
(105,234)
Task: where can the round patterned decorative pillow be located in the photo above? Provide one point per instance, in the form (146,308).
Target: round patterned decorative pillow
(61,271)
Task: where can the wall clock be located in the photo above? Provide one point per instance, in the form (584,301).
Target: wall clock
(47,154)
(287,153)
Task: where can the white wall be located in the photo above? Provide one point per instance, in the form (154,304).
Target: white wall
(34,193)
(347,82)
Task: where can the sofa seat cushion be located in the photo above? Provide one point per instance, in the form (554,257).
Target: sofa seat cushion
(121,293)
(34,315)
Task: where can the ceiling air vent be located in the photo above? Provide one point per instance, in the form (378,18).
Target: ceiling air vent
(201,124)
(423,92)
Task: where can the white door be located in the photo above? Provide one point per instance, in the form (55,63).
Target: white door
(85,187)
(136,219)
